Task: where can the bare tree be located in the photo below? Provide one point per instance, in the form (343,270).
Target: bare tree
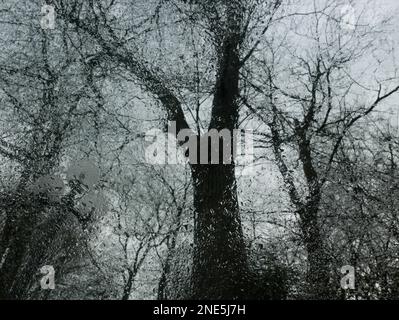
(220,264)
(310,108)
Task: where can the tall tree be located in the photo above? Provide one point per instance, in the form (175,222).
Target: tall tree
(220,261)
(310,107)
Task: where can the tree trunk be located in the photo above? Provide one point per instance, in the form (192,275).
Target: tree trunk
(220,269)
(127,289)
(220,264)
(318,274)
(162,283)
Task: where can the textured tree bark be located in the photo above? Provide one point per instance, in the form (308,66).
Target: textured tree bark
(220,261)
(220,264)
(161,295)
(127,289)
(318,276)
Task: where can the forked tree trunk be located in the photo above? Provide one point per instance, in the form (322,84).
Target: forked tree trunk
(220,262)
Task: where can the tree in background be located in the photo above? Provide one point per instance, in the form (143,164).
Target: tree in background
(310,96)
